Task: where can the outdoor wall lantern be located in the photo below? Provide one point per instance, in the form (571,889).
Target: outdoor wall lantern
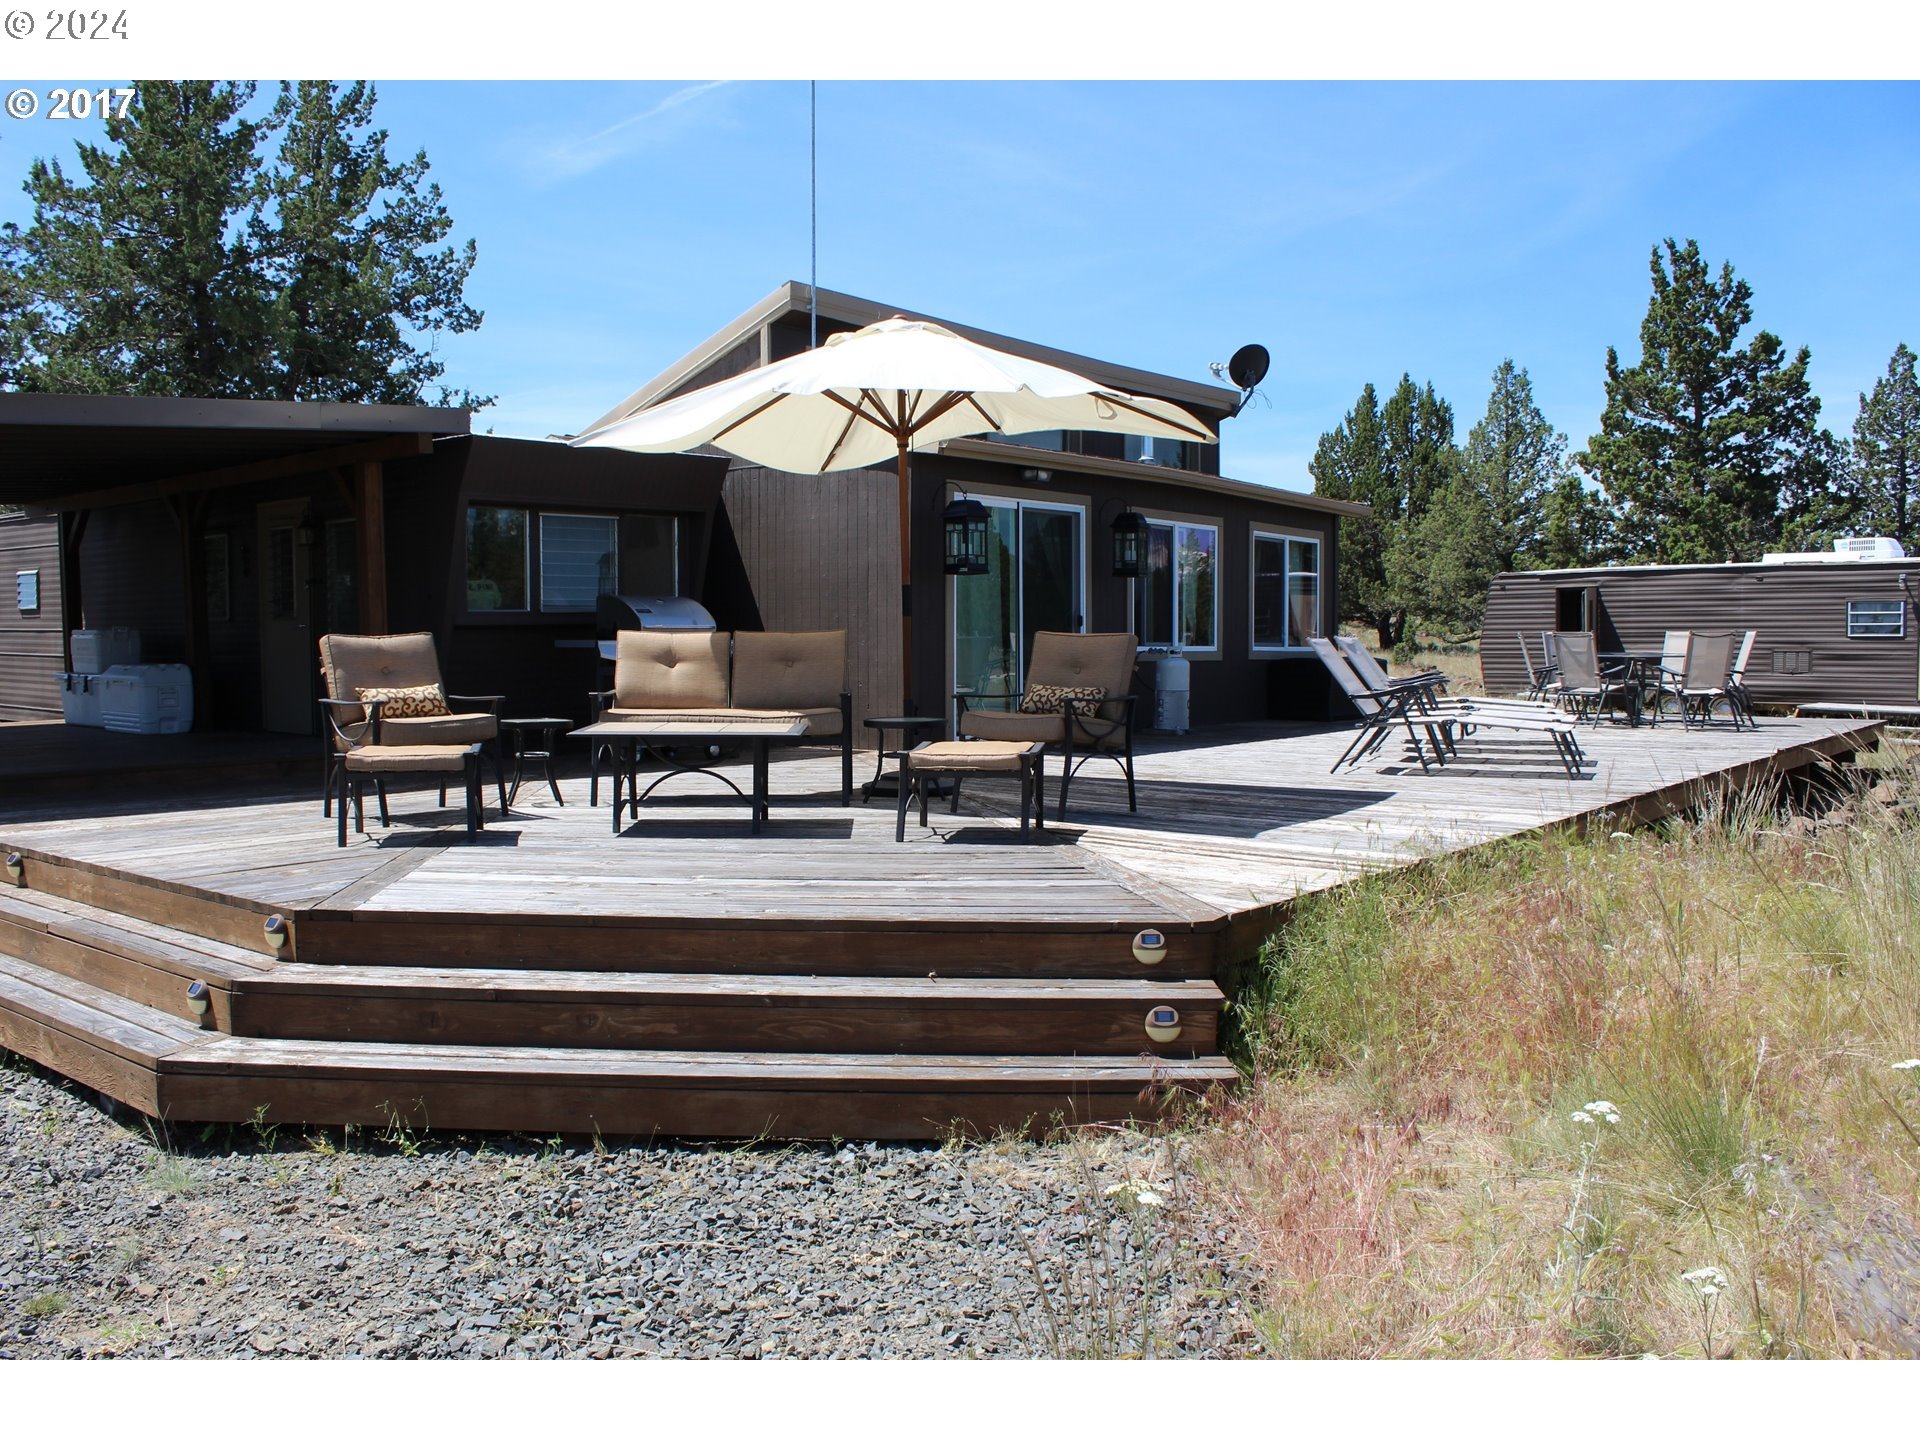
(1128,532)
(965,522)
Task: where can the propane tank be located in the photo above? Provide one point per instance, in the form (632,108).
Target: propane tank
(1172,676)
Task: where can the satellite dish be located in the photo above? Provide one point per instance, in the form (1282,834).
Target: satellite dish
(1248,366)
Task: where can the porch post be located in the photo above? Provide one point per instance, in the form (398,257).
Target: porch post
(370,534)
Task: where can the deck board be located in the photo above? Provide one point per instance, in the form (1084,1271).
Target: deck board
(1235,821)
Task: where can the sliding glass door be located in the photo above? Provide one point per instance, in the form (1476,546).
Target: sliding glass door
(1035,580)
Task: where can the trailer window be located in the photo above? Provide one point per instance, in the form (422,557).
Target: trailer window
(1876,619)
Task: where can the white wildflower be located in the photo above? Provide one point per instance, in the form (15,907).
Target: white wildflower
(1580,1117)
(1600,1107)
(1150,1198)
(1708,1281)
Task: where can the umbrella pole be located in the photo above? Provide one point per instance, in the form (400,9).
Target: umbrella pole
(906,585)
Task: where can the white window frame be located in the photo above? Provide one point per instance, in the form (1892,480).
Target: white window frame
(1899,616)
(1257,533)
(540,549)
(1177,523)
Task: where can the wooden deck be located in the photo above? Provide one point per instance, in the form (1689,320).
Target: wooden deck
(687,977)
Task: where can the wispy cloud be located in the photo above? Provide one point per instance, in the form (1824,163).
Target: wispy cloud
(568,159)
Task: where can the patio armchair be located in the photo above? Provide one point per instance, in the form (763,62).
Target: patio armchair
(1581,683)
(403,673)
(1737,691)
(1672,672)
(1078,699)
(366,753)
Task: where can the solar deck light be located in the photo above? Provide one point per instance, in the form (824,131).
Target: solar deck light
(1150,947)
(965,522)
(1128,531)
(1163,1023)
(277,931)
(16,867)
(198,997)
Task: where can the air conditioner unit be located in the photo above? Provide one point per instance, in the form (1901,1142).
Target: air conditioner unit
(1870,547)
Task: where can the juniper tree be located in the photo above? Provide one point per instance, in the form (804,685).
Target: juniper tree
(1699,439)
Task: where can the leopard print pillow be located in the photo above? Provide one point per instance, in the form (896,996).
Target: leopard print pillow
(407,702)
(1052,699)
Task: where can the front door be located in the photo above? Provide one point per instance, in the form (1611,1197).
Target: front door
(1035,580)
(287,656)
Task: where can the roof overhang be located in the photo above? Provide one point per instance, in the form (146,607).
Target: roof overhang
(69,451)
(1029,457)
(793,298)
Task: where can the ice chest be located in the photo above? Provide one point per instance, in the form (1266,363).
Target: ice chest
(80,698)
(97,650)
(146,699)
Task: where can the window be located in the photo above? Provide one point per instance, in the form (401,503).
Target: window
(496,558)
(578,560)
(26,591)
(1286,591)
(1876,619)
(1174,599)
(649,555)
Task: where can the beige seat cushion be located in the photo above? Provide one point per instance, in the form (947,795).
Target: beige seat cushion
(718,718)
(407,759)
(670,670)
(468,729)
(970,756)
(1014,725)
(789,669)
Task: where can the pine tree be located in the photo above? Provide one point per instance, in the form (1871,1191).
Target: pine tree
(347,246)
(1513,460)
(184,265)
(140,281)
(1576,527)
(1347,466)
(1886,454)
(1699,439)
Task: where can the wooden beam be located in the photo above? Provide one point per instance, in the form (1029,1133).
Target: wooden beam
(370,532)
(73,529)
(279,468)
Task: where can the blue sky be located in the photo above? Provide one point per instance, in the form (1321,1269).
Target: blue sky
(1356,230)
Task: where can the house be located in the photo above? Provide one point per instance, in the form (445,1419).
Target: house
(1236,575)
(1832,629)
(233,533)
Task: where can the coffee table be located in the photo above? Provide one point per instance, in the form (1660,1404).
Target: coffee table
(663,737)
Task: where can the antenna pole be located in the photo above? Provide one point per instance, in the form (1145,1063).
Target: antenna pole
(813,214)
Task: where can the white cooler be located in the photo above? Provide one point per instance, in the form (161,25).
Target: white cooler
(146,699)
(97,650)
(80,698)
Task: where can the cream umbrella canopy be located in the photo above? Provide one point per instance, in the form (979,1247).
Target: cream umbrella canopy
(890,388)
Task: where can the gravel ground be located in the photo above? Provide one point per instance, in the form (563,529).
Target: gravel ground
(335,1244)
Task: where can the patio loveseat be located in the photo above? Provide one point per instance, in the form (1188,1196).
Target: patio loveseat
(702,675)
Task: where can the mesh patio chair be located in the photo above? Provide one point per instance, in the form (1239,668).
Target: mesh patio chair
(1737,690)
(1539,682)
(1581,684)
(1707,680)
(1673,670)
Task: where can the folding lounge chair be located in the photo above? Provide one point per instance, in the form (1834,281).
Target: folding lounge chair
(1438,718)
(1673,670)
(1429,687)
(1737,690)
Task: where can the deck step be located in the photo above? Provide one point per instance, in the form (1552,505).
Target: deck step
(132,957)
(658,1092)
(613,1010)
(100,1039)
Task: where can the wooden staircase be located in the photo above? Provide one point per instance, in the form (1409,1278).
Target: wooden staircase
(618,1025)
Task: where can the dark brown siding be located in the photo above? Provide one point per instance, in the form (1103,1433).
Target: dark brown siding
(1799,612)
(32,648)
(822,552)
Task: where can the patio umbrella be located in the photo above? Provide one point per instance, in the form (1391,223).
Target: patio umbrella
(896,386)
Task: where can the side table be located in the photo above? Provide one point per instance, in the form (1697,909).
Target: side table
(885,781)
(521,732)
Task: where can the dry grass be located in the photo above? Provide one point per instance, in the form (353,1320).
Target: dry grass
(1406,1167)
